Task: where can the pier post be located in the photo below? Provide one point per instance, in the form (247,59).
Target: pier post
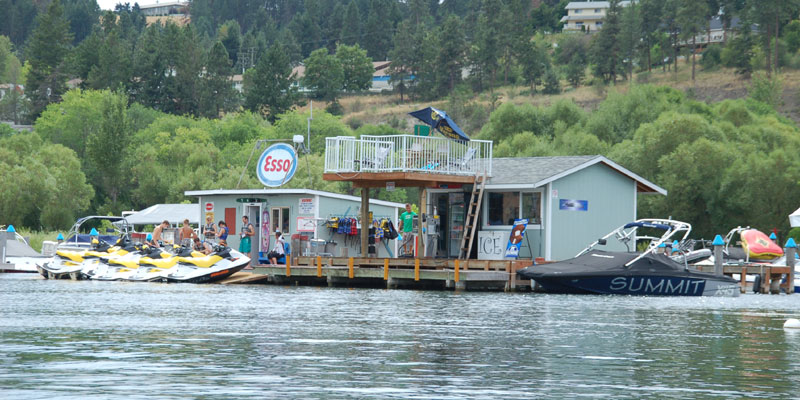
(288,265)
(718,243)
(791,250)
(416,269)
(319,267)
(456,277)
(386,269)
(350,272)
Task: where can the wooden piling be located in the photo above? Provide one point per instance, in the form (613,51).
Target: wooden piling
(288,266)
(319,267)
(350,271)
(386,269)
(791,251)
(416,269)
(456,272)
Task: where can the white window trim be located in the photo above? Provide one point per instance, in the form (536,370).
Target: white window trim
(485,210)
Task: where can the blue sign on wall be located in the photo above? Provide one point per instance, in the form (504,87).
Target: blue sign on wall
(573,205)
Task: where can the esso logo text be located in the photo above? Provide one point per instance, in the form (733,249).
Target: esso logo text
(277,165)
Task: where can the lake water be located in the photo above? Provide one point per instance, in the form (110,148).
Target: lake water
(99,340)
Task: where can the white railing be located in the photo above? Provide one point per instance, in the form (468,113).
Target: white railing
(407,153)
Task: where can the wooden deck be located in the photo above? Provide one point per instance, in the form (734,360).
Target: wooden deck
(771,276)
(391,273)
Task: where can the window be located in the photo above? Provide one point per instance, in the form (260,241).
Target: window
(502,208)
(597,11)
(598,24)
(578,11)
(280,219)
(578,24)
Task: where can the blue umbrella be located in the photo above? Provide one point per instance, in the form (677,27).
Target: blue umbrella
(439,120)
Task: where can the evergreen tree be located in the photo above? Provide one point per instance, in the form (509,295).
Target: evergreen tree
(535,62)
(82,15)
(629,35)
(50,43)
(113,68)
(575,73)
(269,88)
(552,85)
(452,54)
(378,29)
(487,42)
(324,75)
(106,146)
(218,94)
(606,48)
(404,56)
(650,11)
(691,19)
(351,29)
(150,69)
(231,36)
(356,67)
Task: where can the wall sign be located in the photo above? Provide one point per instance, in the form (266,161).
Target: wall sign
(573,205)
(492,244)
(277,165)
(305,224)
(389,186)
(306,205)
(208,208)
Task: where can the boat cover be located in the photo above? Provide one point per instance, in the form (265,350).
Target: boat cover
(598,262)
(15,248)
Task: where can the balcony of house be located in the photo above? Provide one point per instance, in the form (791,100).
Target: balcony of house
(406,160)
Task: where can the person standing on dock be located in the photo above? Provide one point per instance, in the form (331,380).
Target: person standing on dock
(406,225)
(247,232)
(186,234)
(157,233)
(222,233)
(209,230)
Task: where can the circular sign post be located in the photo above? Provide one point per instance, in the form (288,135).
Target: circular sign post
(277,165)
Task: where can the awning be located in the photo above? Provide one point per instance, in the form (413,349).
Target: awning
(174,213)
(794,218)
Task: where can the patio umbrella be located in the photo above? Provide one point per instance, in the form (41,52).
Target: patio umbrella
(439,120)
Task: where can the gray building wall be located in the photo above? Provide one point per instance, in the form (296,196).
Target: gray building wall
(612,203)
(324,207)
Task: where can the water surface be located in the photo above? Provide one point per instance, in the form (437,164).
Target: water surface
(99,340)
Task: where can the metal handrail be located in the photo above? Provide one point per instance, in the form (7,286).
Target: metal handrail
(407,153)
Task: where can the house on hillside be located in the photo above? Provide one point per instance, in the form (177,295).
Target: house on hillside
(173,11)
(714,33)
(380,77)
(586,16)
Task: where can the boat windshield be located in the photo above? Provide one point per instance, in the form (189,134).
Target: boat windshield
(654,232)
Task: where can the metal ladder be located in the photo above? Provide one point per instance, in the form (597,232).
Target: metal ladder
(471,220)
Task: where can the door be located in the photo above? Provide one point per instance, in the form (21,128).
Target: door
(254,217)
(231,222)
(456,223)
(442,203)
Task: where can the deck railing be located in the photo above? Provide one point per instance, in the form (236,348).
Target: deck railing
(407,153)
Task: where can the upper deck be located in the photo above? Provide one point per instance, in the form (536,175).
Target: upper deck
(408,160)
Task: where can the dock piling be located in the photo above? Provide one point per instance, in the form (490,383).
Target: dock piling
(718,243)
(350,272)
(386,269)
(791,251)
(416,269)
(319,267)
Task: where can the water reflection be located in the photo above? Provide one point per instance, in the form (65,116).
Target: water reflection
(108,340)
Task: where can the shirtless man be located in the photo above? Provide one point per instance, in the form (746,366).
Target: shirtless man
(186,233)
(157,233)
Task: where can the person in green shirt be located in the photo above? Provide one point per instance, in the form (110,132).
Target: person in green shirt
(406,225)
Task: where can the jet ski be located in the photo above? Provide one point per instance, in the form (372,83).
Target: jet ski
(70,264)
(157,263)
(621,270)
(119,265)
(220,264)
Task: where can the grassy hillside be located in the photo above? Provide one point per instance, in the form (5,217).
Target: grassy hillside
(709,86)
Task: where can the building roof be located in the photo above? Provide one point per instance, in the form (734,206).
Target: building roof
(534,172)
(165,4)
(267,192)
(574,5)
(174,213)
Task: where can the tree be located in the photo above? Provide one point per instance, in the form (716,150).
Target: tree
(50,42)
(111,139)
(650,11)
(356,67)
(230,33)
(114,59)
(351,31)
(379,30)
(269,88)
(629,35)
(324,75)
(452,54)
(575,73)
(552,85)
(691,19)
(405,56)
(606,47)
(535,62)
(487,41)
(218,93)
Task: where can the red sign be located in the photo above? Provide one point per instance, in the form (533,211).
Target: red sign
(209,206)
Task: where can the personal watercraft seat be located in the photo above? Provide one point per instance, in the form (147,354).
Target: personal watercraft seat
(76,256)
(163,263)
(132,264)
(202,262)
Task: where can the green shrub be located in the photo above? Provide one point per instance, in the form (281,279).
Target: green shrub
(335,108)
(712,57)
(766,89)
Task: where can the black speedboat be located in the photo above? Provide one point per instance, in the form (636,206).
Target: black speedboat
(653,272)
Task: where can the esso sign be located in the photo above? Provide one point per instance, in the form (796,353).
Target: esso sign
(277,165)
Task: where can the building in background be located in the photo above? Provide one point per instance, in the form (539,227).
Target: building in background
(586,16)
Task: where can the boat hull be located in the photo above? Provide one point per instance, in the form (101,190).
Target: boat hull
(640,285)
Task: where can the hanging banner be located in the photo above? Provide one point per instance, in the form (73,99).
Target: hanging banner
(277,165)
(515,239)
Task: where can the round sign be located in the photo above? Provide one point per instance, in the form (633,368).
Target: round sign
(209,206)
(277,165)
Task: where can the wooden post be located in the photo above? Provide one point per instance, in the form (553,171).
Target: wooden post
(288,266)
(350,272)
(416,269)
(319,267)
(456,272)
(365,223)
(791,250)
(718,243)
(386,269)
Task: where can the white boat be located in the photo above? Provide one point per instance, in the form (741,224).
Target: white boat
(19,256)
